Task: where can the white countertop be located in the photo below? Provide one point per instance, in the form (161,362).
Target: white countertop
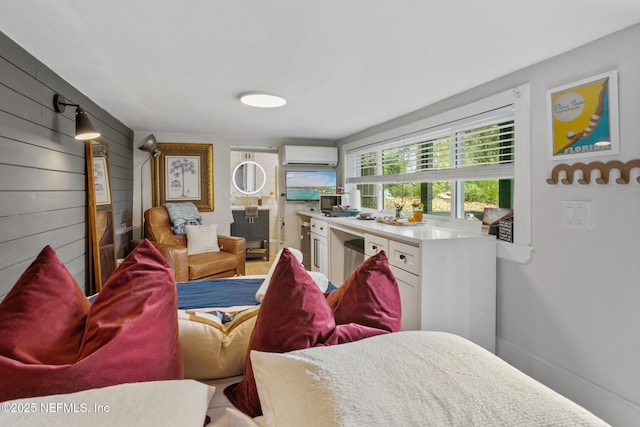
(414,233)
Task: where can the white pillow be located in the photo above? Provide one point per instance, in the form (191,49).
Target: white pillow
(321,280)
(153,403)
(405,378)
(202,238)
(265,284)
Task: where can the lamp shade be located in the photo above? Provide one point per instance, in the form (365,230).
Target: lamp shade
(84,128)
(150,145)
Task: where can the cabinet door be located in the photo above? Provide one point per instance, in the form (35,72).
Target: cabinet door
(323,255)
(319,254)
(240,226)
(260,230)
(409,298)
(315,266)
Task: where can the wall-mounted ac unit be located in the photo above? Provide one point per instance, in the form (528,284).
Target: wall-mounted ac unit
(298,155)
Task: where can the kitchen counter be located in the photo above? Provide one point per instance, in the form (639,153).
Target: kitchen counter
(411,234)
(445,269)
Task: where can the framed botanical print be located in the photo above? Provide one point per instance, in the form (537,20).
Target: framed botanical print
(183,173)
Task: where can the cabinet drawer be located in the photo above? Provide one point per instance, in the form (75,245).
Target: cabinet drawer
(320,227)
(374,244)
(404,256)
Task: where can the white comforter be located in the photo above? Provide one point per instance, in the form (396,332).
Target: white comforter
(412,378)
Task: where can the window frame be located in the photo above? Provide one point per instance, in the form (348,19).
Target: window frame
(518,99)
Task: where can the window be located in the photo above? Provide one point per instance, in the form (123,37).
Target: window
(455,164)
(474,156)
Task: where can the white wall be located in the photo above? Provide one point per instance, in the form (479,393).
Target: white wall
(570,316)
(575,306)
(222,168)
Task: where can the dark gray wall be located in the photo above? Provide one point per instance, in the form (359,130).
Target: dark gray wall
(43,198)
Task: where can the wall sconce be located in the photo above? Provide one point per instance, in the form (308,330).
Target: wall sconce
(84,128)
(150,145)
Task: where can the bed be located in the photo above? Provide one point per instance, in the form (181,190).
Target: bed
(412,378)
(404,378)
(66,362)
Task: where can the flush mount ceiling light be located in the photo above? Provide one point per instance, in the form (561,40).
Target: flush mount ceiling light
(262,100)
(84,128)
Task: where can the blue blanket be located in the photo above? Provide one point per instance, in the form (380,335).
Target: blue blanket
(182,214)
(220,293)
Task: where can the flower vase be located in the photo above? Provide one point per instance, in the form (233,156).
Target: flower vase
(399,212)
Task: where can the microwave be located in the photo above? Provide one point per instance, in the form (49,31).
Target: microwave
(328,201)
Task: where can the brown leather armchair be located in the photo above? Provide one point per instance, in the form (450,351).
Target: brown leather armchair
(230,261)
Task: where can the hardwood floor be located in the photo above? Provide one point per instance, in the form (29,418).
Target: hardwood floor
(255,266)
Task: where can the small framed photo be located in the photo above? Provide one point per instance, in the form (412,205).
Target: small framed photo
(101,181)
(184,173)
(583,118)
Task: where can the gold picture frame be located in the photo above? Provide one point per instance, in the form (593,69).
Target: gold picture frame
(183,173)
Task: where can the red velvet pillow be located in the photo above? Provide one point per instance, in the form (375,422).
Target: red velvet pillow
(130,335)
(132,329)
(42,317)
(294,315)
(369,297)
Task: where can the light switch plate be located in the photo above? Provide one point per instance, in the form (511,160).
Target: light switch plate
(576,213)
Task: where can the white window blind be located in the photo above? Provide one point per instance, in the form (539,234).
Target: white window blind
(476,147)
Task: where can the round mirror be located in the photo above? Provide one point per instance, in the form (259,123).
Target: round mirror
(249,177)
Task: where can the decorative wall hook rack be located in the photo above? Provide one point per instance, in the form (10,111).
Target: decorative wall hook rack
(586,169)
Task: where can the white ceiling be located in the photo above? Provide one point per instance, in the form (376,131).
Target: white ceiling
(343,65)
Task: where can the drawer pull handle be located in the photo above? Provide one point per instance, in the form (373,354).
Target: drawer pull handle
(374,247)
(402,257)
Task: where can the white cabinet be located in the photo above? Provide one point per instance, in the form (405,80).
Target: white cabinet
(446,276)
(374,244)
(403,260)
(319,246)
(408,286)
(405,257)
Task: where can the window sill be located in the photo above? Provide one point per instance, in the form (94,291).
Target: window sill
(514,252)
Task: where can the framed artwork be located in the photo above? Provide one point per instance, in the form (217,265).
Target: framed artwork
(183,173)
(101,181)
(583,118)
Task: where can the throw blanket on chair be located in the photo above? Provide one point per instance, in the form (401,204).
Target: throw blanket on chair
(182,214)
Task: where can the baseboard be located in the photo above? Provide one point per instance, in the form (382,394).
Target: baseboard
(610,407)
